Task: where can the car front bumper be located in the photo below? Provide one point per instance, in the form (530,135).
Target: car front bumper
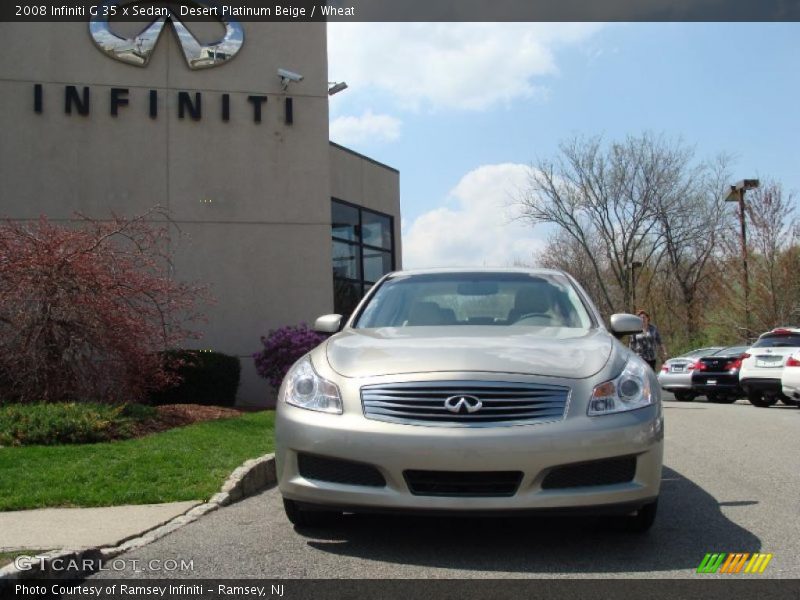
(533,450)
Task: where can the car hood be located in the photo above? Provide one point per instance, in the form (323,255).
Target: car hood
(546,351)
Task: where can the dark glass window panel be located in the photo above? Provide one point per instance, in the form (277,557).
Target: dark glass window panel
(346,260)
(346,296)
(376,264)
(355,265)
(777,340)
(345,221)
(377,230)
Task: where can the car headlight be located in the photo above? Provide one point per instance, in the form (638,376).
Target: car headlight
(629,391)
(305,389)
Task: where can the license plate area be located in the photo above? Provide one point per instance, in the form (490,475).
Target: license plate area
(771,361)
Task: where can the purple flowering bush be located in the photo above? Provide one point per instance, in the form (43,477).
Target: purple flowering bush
(282,347)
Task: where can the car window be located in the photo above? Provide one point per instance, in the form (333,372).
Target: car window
(700,352)
(498,299)
(732,351)
(778,340)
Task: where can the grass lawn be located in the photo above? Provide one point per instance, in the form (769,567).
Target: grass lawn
(186,463)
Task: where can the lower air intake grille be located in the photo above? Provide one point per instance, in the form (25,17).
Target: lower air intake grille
(598,472)
(463,483)
(335,470)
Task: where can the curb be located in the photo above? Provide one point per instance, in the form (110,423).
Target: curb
(251,477)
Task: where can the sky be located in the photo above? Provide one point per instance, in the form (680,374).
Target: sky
(463,109)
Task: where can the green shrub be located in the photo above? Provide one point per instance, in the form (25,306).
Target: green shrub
(209,378)
(69,423)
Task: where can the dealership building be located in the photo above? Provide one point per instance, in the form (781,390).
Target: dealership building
(283,224)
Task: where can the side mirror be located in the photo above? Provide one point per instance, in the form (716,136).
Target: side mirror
(329,323)
(625,324)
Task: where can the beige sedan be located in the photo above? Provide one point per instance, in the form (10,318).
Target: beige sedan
(471,391)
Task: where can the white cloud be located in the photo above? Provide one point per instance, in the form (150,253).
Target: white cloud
(477,228)
(468,66)
(369,127)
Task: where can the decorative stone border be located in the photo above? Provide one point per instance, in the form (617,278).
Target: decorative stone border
(250,478)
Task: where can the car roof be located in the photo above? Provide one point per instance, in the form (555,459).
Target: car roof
(729,349)
(442,270)
(779,331)
(688,354)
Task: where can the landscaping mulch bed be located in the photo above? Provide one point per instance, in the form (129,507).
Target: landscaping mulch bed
(170,416)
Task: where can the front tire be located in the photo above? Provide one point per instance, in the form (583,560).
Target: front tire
(761,400)
(643,520)
(308,518)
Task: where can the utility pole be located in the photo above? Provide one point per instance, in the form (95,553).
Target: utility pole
(632,266)
(737,195)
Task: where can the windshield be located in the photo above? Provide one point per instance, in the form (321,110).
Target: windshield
(778,340)
(500,299)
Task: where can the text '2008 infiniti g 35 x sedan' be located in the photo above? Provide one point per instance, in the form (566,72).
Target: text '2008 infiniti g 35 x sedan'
(471,391)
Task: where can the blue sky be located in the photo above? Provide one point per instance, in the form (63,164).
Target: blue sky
(460,109)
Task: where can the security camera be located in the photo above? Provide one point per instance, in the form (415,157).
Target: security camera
(287,76)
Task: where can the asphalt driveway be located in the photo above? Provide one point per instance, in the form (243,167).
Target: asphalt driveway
(730,484)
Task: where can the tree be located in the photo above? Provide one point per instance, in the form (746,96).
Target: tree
(775,255)
(609,198)
(85,312)
(565,253)
(690,225)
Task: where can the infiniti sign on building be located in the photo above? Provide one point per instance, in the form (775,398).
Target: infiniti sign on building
(137,50)
(283,224)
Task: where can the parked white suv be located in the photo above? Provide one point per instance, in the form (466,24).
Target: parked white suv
(763,363)
(790,379)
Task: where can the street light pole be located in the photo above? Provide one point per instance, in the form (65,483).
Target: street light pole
(633,266)
(737,195)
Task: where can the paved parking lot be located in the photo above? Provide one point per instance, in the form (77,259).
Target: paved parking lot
(731,484)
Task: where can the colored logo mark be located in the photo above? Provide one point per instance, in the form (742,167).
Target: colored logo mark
(735,562)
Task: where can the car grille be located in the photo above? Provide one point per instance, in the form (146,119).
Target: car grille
(336,470)
(463,483)
(501,403)
(597,472)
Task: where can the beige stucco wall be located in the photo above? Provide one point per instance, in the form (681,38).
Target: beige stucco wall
(253,198)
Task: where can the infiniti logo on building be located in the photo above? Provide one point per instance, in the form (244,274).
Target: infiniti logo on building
(138,50)
(463,404)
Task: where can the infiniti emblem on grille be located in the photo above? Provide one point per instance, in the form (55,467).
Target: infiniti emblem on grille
(463,404)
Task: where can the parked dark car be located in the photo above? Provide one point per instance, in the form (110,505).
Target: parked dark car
(717,376)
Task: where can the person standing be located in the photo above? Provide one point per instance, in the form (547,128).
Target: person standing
(646,343)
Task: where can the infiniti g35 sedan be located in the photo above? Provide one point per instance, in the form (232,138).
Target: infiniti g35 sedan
(471,391)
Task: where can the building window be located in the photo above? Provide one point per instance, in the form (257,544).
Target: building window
(363,252)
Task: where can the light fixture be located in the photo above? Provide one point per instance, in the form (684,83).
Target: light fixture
(336,87)
(738,189)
